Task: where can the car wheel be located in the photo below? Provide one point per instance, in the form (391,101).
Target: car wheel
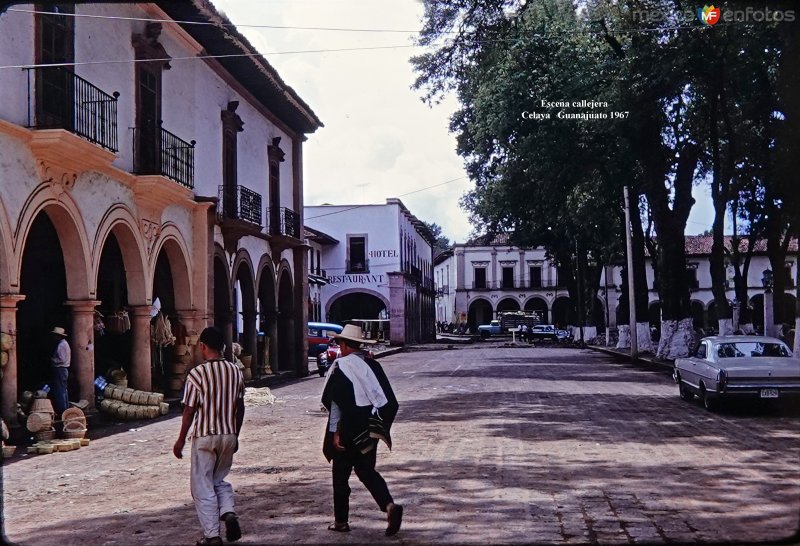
(685,392)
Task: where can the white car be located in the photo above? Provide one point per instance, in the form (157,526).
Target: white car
(725,367)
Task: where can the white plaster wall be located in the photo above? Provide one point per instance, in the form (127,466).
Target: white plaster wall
(18,176)
(16,48)
(94,193)
(182,218)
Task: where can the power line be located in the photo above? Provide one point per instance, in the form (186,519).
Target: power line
(226,56)
(401,195)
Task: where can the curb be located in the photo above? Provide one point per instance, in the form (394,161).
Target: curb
(663,365)
(389,352)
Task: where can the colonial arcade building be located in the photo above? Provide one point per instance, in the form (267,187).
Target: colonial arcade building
(159,181)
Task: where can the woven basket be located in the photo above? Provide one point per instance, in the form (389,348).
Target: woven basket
(42,405)
(39,421)
(44,435)
(72,413)
(75,424)
(74,434)
(6,341)
(8,451)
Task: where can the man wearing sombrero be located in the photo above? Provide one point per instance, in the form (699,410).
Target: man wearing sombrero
(60,361)
(361,408)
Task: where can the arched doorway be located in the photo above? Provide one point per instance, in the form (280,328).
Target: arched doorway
(44,284)
(359,305)
(479,312)
(286,325)
(539,306)
(245,308)
(563,312)
(599,314)
(113,347)
(508,304)
(267,320)
(222,301)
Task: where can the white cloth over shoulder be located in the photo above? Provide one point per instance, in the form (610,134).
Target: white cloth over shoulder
(366,388)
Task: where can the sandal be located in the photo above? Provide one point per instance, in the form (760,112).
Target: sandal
(339,527)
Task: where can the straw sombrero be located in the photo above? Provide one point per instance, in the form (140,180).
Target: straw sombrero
(58,330)
(354,333)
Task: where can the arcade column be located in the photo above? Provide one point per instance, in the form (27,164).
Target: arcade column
(8,326)
(81,341)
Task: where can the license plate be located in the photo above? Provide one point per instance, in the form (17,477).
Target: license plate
(769,393)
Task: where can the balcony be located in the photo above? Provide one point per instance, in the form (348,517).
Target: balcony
(64,100)
(360,266)
(238,213)
(165,154)
(283,229)
(240,203)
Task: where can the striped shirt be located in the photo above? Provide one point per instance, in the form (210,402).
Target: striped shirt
(213,389)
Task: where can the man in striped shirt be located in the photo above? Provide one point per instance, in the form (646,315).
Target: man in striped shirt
(213,401)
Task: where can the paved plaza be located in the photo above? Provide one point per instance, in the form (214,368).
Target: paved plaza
(491,445)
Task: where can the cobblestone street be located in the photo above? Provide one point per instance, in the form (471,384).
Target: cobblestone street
(492,445)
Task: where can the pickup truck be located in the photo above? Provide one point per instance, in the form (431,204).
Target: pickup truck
(492,329)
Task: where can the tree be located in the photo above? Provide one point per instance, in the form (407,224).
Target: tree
(442,242)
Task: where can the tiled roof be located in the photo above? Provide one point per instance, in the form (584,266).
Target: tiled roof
(699,245)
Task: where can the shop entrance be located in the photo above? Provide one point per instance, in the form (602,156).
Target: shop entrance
(113,342)
(286,338)
(44,284)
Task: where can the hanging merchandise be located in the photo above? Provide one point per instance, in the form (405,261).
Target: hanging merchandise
(119,322)
(162,331)
(99,325)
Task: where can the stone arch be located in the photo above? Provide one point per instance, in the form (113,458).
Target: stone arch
(537,303)
(245,323)
(479,311)
(508,304)
(267,294)
(368,291)
(66,217)
(120,221)
(286,319)
(172,244)
(221,287)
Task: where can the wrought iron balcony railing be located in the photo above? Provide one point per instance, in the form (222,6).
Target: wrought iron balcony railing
(240,203)
(284,221)
(161,152)
(64,100)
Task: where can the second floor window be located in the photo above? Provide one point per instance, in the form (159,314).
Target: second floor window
(480,277)
(536,277)
(357,254)
(508,277)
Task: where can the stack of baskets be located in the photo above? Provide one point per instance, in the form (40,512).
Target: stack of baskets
(181,365)
(73,423)
(127,403)
(247,362)
(40,420)
(6,342)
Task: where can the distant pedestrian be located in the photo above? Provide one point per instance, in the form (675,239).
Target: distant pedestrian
(361,408)
(59,362)
(214,401)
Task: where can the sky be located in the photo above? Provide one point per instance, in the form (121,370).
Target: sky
(380,140)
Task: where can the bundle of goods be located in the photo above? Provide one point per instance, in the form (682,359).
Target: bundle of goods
(6,342)
(133,404)
(55,446)
(73,423)
(118,377)
(182,362)
(123,410)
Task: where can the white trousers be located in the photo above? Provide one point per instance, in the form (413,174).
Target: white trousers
(213,496)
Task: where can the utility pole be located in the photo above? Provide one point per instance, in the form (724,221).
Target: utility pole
(581,313)
(631,291)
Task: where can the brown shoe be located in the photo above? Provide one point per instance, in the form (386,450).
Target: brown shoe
(232,530)
(213,541)
(395,520)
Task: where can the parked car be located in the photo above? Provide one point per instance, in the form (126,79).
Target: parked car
(726,367)
(319,334)
(491,329)
(326,358)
